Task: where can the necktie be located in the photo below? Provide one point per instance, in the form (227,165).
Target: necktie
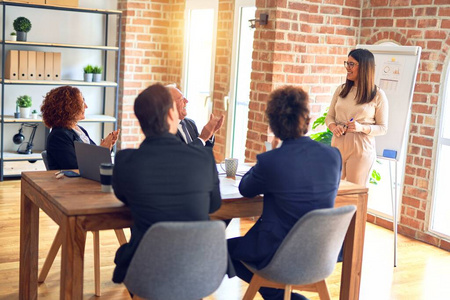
(186,133)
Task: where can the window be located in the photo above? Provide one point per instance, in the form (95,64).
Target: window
(440,216)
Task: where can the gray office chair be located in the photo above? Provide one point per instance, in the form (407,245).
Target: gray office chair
(307,255)
(57,242)
(179,260)
(44,158)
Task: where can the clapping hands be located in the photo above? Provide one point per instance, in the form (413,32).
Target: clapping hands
(110,140)
(213,125)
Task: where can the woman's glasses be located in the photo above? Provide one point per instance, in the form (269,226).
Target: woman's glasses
(349,64)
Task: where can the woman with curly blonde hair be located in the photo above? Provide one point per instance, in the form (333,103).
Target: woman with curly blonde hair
(62,109)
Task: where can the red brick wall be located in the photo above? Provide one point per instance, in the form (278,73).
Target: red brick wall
(304,44)
(261,80)
(222,71)
(176,42)
(416,23)
(152,47)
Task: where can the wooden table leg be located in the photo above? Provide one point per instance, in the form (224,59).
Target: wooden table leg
(72,259)
(353,252)
(50,256)
(29,236)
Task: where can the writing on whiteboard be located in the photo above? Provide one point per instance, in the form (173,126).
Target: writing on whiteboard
(391,74)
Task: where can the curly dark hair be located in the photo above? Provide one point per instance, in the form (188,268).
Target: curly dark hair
(62,107)
(288,112)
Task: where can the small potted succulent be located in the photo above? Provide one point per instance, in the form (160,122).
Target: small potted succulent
(88,73)
(13,36)
(24,103)
(34,114)
(97,74)
(22,25)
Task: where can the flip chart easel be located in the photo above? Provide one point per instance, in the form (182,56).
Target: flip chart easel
(395,73)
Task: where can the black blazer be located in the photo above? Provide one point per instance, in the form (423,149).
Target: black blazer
(163,180)
(300,176)
(193,132)
(61,148)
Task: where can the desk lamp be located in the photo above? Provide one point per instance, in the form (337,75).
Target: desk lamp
(19,138)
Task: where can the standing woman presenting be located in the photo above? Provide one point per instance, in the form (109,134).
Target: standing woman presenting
(358,112)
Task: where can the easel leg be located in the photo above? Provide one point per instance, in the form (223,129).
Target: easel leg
(394,206)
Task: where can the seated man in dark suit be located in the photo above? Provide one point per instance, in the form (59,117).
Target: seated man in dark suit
(300,176)
(187,130)
(165,179)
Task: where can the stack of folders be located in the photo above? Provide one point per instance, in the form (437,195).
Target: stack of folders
(33,65)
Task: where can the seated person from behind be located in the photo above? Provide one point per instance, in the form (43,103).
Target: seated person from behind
(164,179)
(300,176)
(187,130)
(61,110)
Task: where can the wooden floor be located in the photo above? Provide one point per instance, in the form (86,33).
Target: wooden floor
(423,271)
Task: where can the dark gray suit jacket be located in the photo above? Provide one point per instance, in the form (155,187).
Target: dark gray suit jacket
(193,132)
(163,180)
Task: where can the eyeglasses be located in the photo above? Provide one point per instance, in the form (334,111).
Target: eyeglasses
(349,64)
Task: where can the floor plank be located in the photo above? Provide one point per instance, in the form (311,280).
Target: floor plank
(422,271)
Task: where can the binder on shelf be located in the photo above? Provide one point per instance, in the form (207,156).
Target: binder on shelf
(40,65)
(31,65)
(56,65)
(23,65)
(48,66)
(12,65)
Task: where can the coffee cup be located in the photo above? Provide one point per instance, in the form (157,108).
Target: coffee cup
(106,172)
(231,165)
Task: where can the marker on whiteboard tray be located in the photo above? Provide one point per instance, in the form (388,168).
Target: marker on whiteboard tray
(390,153)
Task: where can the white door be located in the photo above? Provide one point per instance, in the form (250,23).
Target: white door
(199,55)
(240,79)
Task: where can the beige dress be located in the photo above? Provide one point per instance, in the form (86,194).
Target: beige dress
(357,148)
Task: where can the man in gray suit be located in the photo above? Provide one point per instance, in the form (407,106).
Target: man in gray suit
(187,130)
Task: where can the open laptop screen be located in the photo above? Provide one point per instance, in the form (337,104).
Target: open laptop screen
(89,158)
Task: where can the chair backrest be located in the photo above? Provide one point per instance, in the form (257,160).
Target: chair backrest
(179,260)
(309,252)
(45,159)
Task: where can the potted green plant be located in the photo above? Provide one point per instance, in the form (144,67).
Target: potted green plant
(22,25)
(97,74)
(34,114)
(24,103)
(13,36)
(88,73)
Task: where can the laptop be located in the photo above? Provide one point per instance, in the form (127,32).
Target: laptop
(89,158)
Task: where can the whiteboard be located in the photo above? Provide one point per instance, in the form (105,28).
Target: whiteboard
(395,73)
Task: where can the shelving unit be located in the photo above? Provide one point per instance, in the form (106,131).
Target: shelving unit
(11,156)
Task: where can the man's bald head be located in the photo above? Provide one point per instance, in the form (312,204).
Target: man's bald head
(179,100)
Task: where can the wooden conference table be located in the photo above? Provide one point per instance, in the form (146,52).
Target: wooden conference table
(77,205)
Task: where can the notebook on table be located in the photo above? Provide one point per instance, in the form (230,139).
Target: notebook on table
(89,158)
